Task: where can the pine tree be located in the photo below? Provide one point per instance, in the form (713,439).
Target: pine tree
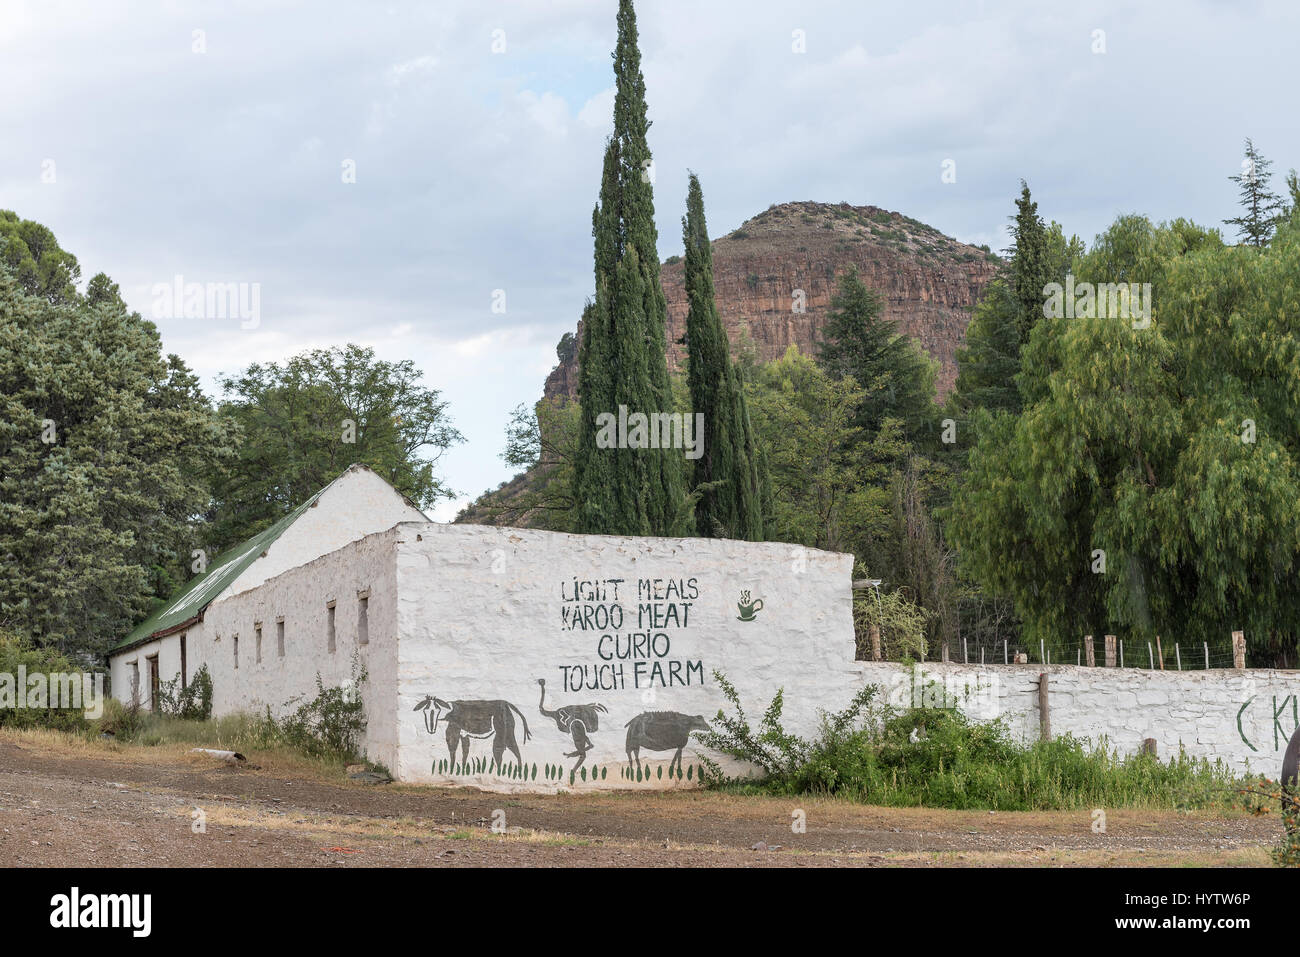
(897,377)
(726,474)
(988,363)
(989,360)
(1262,209)
(623,356)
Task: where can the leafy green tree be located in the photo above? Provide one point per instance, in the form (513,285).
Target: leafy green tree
(40,266)
(829,480)
(989,360)
(623,354)
(726,474)
(105,445)
(1152,484)
(541,441)
(895,376)
(1262,209)
(304,421)
(925,564)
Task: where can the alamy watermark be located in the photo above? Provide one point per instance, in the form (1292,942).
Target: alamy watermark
(60,691)
(1110,300)
(655,430)
(179,299)
(975,695)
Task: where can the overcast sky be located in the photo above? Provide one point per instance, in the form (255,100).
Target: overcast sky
(476,131)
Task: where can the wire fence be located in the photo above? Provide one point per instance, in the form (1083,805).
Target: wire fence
(1120,653)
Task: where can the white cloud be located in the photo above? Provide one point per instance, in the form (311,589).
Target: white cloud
(478,171)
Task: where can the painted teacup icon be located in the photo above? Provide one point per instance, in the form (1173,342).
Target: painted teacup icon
(748,608)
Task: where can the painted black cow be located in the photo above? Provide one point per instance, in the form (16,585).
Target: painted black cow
(475,719)
(661,731)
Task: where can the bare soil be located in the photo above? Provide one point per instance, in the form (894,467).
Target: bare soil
(77,805)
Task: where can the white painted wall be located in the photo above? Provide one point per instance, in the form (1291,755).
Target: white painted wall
(481,618)
(472,613)
(1196,710)
(356,504)
(301,596)
(168,650)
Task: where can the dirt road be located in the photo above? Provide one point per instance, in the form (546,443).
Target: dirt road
(76,807)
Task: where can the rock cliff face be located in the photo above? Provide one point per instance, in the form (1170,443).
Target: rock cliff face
(776,274)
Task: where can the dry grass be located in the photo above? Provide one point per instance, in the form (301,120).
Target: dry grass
(282,761)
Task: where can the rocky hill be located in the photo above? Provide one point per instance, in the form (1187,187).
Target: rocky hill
(929,282)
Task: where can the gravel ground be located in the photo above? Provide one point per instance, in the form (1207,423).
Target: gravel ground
(76,808)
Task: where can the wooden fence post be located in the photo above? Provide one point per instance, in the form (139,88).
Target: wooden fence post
(1110,651)
(1092,657)
(1238,650)
(875,642)
(1044,713)
(1149,746)
(944,652)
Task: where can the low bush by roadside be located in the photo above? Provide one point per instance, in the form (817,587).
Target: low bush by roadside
(330,726)
(939,758)
(20,706)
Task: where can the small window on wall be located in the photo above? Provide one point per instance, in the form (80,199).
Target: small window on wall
(184,672)
(234,641)
(257,642)
(363,619)
(135,682)
(279,637)
(329,626)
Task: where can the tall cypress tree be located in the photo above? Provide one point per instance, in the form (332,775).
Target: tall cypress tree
(989,362)
(623,359)
(726,474)
(1031,268)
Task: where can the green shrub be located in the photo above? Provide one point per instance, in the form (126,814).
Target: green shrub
(18,652)
(935,757)
(333,723)
(120,720)
(193,702)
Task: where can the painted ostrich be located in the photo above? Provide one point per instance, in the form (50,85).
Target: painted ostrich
(576,720)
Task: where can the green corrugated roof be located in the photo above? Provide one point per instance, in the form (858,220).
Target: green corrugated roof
(190,599)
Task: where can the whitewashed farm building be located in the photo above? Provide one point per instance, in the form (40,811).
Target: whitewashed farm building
(510,659)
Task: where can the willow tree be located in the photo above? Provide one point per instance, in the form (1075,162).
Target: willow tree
(726,473)
(623,365)
(1152,483)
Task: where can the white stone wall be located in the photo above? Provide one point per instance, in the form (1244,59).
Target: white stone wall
(168,650)
(484,613)
(1243,718)
(356,504)
(301,597)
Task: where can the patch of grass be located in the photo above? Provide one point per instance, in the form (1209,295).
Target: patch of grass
(928,757)
(232,732)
